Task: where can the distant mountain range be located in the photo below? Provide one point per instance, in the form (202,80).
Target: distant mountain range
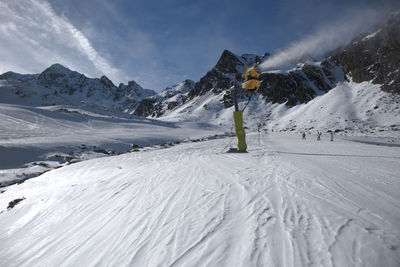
(58,85)
(371,59)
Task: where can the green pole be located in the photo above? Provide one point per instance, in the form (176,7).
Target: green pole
(239,130)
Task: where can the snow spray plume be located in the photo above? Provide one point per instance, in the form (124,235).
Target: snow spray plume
(324,40)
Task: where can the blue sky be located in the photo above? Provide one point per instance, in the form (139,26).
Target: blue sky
(160,43)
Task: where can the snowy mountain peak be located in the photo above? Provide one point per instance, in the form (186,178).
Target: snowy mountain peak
(107,82)
(228,62)
(132,86)
(134,91)
(58,76)
(57,68)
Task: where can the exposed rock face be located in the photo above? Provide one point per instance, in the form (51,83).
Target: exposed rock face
(146,108)
(228,63)
(133,90)
(375,56)
(298,86)
(168,99)
(59,85)
(227,71)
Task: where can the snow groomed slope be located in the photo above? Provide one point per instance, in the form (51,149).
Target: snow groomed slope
(287,202)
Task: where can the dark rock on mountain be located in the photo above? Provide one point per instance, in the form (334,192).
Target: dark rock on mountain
(133,91)
(227,71)
(228,63)
(374,57)
(146,108)
(298,86)
(168,99)
(318,76)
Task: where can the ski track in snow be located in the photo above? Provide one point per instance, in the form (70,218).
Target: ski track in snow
(285,203)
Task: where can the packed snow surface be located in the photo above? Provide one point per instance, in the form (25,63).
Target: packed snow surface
(288,202)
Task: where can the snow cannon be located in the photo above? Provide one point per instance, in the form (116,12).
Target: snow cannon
(251,82)
(250,77)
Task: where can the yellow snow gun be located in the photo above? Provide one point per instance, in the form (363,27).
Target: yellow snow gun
(250,76)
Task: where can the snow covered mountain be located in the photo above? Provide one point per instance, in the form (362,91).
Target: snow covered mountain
(58,85)
(352,89)
(291,87)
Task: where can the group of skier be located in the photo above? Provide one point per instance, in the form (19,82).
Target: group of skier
(319,134)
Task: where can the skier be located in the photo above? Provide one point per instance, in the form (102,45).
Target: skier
(319,136)
(331,135)
(259,127)
(303,135)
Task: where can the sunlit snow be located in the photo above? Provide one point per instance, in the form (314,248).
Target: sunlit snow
(288,202)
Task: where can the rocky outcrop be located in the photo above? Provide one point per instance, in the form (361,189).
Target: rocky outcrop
(132,90)
(147,108)
(300,85)
(167,100)
(375,56)
(226,72)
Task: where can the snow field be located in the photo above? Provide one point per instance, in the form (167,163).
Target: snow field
(361,109)
(33,140)
(287,202)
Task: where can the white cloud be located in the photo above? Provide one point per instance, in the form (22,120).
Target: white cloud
(325,39)
(33,36)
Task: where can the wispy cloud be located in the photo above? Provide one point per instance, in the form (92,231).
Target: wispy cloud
(325,39)
(33,36)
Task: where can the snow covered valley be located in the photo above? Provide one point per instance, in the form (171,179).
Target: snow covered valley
(37,139)
(288,202)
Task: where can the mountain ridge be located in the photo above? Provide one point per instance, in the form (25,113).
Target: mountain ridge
(60,85)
